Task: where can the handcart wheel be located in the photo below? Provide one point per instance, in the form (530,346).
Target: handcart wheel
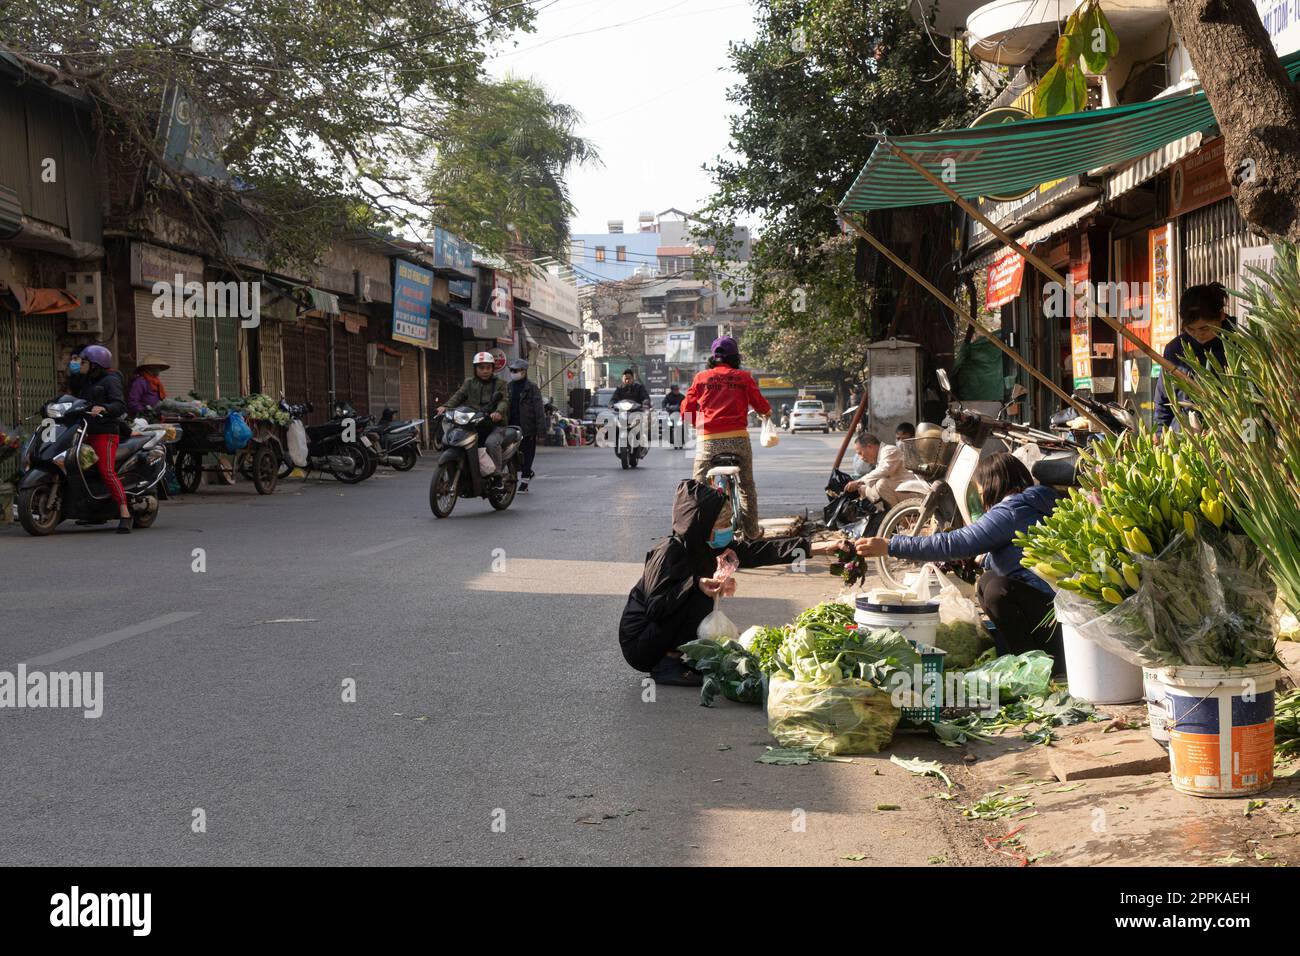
(189,471)
(266,468)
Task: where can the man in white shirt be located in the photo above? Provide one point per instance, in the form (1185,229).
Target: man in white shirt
(878,469)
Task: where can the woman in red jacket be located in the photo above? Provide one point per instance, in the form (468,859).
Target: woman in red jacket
(718,403)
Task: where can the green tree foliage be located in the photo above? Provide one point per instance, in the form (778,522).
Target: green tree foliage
(325,106)
(498,177)
(819,79)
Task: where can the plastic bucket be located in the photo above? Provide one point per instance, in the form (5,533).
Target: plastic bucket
(1157,706)
(916,622)
(1096,675)
(1220,728)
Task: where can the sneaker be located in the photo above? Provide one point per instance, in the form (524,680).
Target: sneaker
(673,673)
(523,486)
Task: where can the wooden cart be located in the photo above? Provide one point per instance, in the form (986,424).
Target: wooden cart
(258,461)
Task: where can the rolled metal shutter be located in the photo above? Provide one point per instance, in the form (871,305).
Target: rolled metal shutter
(271,364)
(171,338)
(410,384)
(1211,238)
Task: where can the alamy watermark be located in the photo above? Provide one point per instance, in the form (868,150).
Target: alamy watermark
(178,298)
(77,690)
(919,688)
(1118,300)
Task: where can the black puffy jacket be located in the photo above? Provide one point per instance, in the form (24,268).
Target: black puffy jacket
(105,389)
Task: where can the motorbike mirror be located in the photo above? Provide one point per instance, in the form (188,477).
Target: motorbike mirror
(942,375)
(1018,392)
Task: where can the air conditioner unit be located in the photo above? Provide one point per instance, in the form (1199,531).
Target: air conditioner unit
(363,287)
(87,318)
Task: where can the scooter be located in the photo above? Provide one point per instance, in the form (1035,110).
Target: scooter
(387,442)
(631,441)
(331,448)
(57,484)
(458,474)
(943,497)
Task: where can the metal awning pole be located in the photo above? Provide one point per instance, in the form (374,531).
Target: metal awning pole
(961,314)
(1032,259)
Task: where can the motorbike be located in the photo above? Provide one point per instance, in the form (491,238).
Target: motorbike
(943,496)
(458,474)
(330,450)
(631,441)
(56,485)
(387,441)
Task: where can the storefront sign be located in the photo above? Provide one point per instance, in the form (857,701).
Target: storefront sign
(412,295)
(1249,259)
(1081,326)
(1199,179)
(1282,21)
(454,253)
(681,347)
(150,264)
(656,373)
(1164,318)
(1004,278)
(765,381)
(503,300)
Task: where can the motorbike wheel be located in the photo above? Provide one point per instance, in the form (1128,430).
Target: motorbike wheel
(189,471)
(146,518)
(266,469)
(444,489)
(501,500)
(40,510)
(625,457)
(409,458)
(902,519)
(360,469)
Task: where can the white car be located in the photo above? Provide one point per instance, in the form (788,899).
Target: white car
(808,414)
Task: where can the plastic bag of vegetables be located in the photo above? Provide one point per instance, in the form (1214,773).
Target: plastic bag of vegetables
(1014,675)
(830,716)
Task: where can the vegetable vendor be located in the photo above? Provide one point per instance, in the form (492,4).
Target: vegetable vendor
(678,586)
(1015,599)
(1203,314)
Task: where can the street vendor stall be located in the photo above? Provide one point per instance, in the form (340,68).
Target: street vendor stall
(204,432)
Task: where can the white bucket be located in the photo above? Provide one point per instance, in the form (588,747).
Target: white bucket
(917,622)
(1220,728)
(1157,707)
(1096,675)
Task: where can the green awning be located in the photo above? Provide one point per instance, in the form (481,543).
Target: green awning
(1010,158)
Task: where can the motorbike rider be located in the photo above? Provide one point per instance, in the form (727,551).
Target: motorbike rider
(678,585)
(96,382)
(631,390)
(672,404)
(486,392)
(528,413)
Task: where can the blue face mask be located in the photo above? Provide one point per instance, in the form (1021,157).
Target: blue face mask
(721,539)
(74,367)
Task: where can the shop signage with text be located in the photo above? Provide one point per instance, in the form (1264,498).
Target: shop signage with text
(1004,279)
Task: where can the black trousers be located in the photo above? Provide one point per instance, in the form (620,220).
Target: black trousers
(1017,609)
(529,446)
(645,646)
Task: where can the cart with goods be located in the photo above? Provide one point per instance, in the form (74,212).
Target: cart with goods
(206,431)
(10,445)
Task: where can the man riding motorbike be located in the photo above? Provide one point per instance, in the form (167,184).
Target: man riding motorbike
(631,391)
(483,390)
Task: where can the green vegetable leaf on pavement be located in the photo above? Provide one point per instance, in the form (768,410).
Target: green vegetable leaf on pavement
(922,767)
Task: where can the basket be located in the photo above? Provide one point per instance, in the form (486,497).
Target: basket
(927,457)
(931,663)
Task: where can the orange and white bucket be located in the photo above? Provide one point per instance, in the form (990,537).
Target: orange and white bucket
(1220,728)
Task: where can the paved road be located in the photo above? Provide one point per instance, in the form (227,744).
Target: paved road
(489,687)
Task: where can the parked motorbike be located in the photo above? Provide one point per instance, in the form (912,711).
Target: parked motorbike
(55,486)
(458,474)
(395,444)
(631,440)
(943,496)
(329,450)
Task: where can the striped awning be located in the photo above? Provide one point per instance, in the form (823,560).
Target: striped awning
(1010,158)
(1151,165)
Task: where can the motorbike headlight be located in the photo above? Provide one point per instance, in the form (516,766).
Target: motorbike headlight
(462,416)
(58,409)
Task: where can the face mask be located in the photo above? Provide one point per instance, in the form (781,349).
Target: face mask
(74,367)
(721,538)
(517,376)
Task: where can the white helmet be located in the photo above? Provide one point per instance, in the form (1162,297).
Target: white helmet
(484,358)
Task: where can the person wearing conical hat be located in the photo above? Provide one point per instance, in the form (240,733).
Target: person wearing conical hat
(147,389)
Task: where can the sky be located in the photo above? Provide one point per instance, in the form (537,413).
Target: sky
(650,79)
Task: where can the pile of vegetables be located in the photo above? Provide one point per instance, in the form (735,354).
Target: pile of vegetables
(1286,725)
(963,642)
(1156,556)
(728,669)
(1249,407)
(259,407)
(848,564)
(831,715)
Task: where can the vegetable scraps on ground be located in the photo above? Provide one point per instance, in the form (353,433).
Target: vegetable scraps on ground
(1149,559)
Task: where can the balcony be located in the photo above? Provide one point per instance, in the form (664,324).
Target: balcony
(1011,32)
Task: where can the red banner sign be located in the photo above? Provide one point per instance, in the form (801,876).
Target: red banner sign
(1004,280)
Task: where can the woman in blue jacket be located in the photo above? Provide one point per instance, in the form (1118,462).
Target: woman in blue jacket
(1014,598)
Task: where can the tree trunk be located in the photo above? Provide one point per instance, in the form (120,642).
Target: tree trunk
(1256,105)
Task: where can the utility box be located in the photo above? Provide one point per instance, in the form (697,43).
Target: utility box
(893,386)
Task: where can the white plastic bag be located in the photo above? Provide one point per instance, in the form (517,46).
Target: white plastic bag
(768,436)
(297,436)
(717,626)
(486,465)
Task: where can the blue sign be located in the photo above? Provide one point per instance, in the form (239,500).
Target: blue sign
(412,297)
(453,252)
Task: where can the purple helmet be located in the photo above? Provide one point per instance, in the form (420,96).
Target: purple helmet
(725,347)
(99,355)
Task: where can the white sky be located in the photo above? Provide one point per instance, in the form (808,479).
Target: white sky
(650,78)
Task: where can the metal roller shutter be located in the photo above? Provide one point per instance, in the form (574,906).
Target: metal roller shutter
(410,384)
(171,338)
(37,381)
(270,364)
(385,382)
(1211,239)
